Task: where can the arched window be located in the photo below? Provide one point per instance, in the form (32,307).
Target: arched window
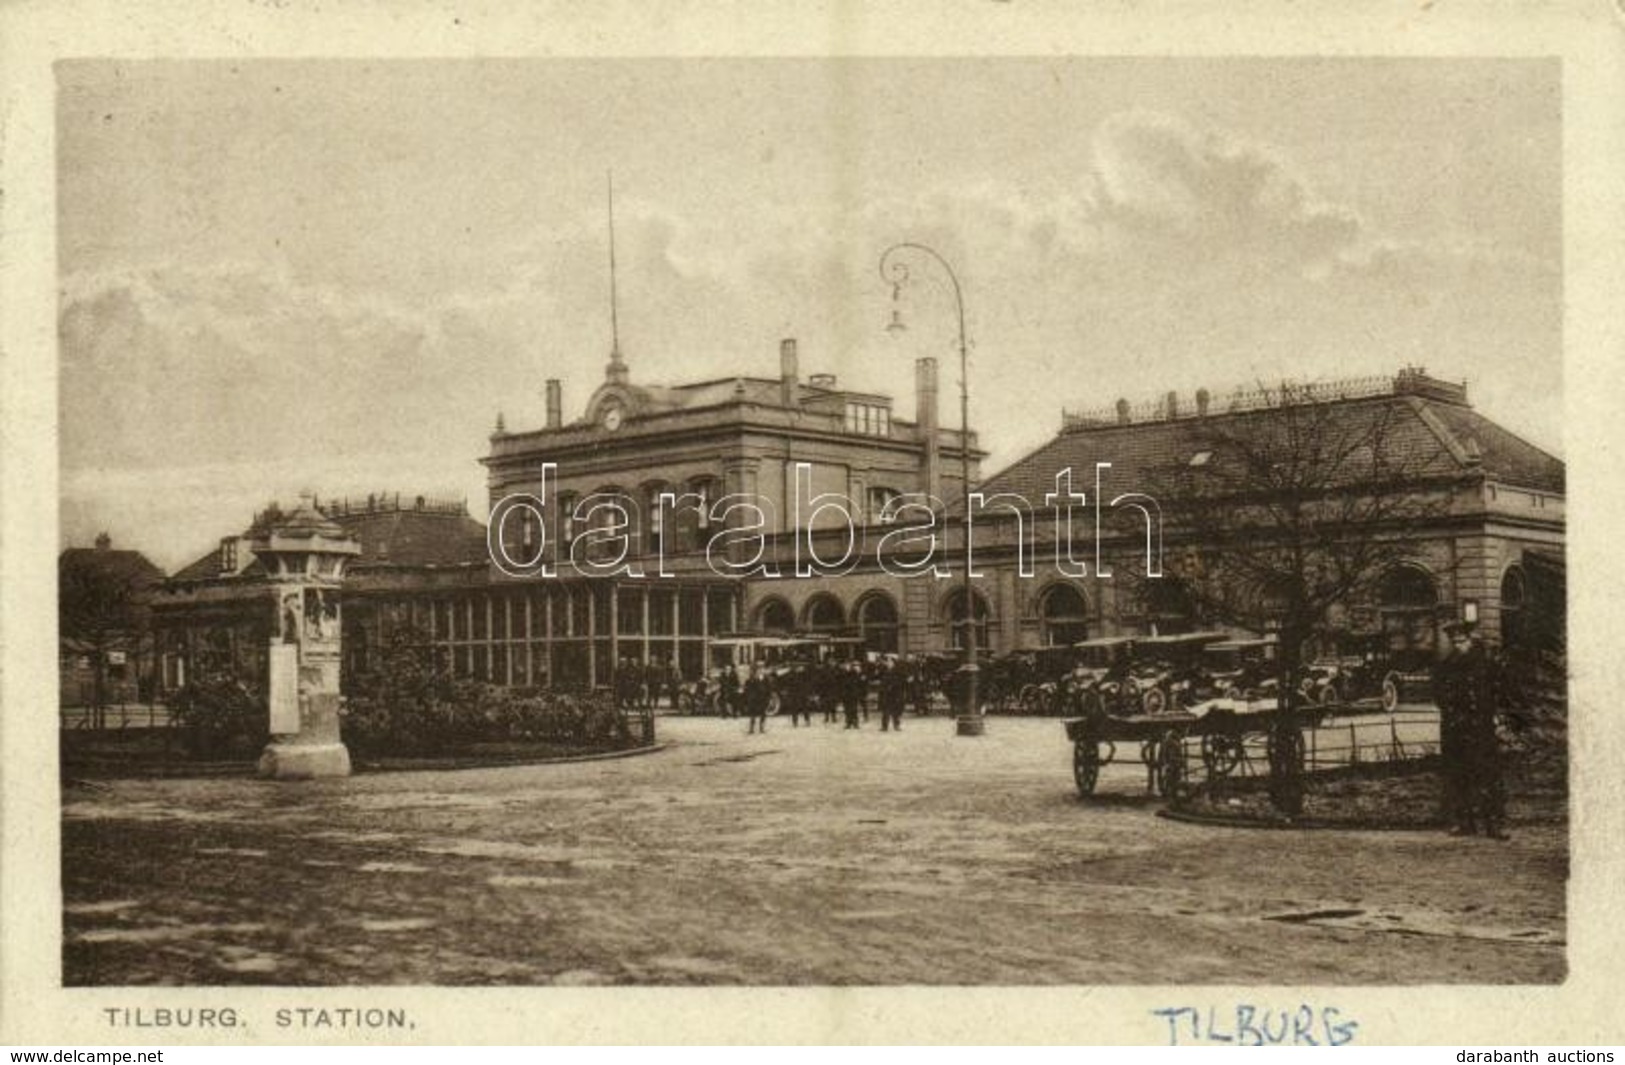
(877,623)
(775,616)
(1064,615)
(1514,595)
(823,613)
(957,618)
(1407,599)
(1169,608)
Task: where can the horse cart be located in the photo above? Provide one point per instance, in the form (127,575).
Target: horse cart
(1230,734)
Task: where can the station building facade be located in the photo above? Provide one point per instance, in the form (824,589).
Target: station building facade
(672,454)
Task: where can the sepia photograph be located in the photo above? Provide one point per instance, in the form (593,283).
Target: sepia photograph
(973,522)
(433,432)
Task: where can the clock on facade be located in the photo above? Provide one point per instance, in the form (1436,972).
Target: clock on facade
(613,418)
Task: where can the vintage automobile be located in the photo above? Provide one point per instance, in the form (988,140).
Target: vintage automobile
(772,655)
(1366,671)
(1167,670)
(1242,669)
(1098,683)
(1043,679)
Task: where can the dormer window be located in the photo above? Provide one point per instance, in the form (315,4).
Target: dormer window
(869,419)
(228,555)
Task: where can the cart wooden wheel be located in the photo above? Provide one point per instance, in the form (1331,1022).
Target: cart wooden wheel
(1390,693)
(1085,766)
(1221,753)
(1171,764)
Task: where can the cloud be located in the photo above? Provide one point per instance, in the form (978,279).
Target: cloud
(1157,180)
(165,365)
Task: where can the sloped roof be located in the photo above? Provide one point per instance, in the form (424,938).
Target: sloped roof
(1507,456)
(389,536)
(1424,438)
(209,566)
(119,564)
(415,538)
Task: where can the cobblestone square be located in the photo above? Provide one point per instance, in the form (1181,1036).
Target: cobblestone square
(810,855)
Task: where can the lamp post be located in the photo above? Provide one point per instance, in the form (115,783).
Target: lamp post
(895,272)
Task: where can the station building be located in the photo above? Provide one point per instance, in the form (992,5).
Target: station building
(672,454)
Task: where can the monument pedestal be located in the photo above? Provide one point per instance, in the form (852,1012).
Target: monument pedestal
(971,725)
(305,740)
(304,761)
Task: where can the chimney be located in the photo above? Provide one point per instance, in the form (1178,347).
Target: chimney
(103,542)
(789,373)
(555,403)
(1122,412)
(1173,404)
(925,418)
(1202,400)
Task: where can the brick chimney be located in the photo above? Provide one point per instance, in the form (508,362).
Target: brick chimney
(1173,404)
(789,372)
(1122,412)
(925,418)
(1202,401)
(555,403)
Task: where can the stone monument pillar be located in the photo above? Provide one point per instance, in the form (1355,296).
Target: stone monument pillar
(304,555)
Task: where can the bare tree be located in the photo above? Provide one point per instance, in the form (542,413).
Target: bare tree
(103,607)
(1293,506)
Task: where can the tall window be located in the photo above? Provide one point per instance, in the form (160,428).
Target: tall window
(654,517)
(564,526)
(824,614)
(1064,616)
(958,617)
(775,616)
(1513,596)
(691,522)
(879,497)
(1406,600)
(877,623)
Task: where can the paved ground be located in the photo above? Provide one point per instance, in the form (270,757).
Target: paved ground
(805,856)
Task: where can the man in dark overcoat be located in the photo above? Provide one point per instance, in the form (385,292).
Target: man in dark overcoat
(758,699)
(893,697)
(1470,751)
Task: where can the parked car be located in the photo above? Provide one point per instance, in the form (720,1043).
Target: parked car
(1167,670)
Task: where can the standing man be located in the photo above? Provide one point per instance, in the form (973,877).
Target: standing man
(758,697)
(674,681)
(852,693)
(627,684)
(827,685)
(728,691)
(1474,794)
(893,697)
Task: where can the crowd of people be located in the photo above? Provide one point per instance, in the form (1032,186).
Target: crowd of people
(841,692)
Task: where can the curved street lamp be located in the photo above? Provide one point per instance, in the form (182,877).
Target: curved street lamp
(895,272)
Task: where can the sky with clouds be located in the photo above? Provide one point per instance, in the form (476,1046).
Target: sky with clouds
(281,275)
